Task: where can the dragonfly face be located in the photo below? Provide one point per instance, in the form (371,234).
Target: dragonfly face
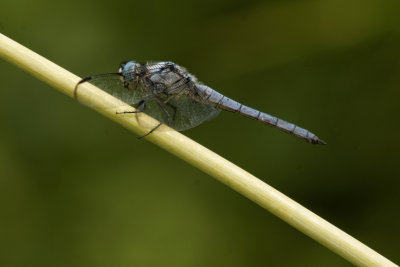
(131,71)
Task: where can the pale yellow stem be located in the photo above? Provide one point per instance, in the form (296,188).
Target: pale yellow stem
(197,155)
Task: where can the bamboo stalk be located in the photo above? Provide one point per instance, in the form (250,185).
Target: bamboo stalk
(197,155)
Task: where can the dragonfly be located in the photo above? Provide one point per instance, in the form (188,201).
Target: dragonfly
(173,96)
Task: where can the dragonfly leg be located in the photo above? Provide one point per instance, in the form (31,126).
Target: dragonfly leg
(160,104)
(86,79)
(174,109)
(140,107)
(152,130)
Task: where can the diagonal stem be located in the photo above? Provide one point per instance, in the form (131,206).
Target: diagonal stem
(197,155)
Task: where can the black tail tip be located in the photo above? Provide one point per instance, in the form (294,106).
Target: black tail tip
(319,142)
(316,141)
(322,142)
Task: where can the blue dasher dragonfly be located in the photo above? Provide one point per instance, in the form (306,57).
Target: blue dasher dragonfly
(173,96)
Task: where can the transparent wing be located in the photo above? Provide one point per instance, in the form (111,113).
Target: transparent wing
(180,111)
(183,112)
(113,85)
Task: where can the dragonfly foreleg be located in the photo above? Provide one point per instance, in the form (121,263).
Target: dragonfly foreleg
(89,78)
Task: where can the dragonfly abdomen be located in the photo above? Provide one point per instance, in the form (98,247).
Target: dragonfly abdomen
(220,101)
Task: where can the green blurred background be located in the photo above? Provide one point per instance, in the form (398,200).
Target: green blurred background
(79,190)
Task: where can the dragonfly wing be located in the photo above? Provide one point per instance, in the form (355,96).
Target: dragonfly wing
(113,85)
(191,113)
(183,112)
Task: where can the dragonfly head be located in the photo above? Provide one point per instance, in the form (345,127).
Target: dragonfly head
(130,70)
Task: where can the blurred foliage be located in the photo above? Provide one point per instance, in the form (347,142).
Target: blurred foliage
(79,190)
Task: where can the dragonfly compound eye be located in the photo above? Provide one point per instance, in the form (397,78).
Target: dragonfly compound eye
(130,70)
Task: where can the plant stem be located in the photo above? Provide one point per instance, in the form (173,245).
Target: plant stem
(197,155)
